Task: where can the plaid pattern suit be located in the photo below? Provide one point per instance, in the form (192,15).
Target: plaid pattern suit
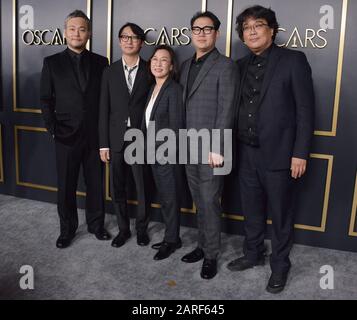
(209,105)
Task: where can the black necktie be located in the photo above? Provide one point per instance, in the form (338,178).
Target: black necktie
(80,72)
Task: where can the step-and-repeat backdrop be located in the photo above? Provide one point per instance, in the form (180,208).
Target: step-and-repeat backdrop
(324,29)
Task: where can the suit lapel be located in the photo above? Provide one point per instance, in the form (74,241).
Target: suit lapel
(272,63)
(122,80)
(207,65)
(245,64)
(91,72)
(139,76)
(143,122)
(184,77)
(243,68)
(157,100)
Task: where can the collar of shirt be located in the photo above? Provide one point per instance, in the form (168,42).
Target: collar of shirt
(73,54)
(261,57)
(202,58)
(126,67)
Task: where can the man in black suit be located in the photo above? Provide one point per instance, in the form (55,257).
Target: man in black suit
(70,89)
(275,128)
(125,86)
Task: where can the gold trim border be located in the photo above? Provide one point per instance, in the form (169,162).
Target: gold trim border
(322,226)
(353,212)
(109,30)
(229,28)
(109,56)
(204,6)
(193,210)
(110,25)
(54,189)
(1,158)
(14,59)
(29,184)
(89,14)
(230,4)
(336,106)
(331,133)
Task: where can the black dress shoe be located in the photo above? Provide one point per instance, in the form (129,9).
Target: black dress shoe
(209,268)
(157,246)
(102,234)
(243,263)
(165,250)
(142,239)
(64,241)
(277,282)
(120,239)
(193,256)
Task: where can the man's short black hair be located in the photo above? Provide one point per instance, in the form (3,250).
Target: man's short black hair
(78,14)
(257,12)
(206,14)
(138,31)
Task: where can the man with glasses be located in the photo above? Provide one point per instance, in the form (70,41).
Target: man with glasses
(209,80)
(70,89)
(125,87)
(275,127)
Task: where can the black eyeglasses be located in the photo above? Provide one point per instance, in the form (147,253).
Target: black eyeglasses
(206,30)
(126,38)
(256,27)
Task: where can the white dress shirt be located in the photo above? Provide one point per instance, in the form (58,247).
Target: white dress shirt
(149,109)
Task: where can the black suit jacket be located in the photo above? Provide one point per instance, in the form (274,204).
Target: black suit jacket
(168,110)
(116,104)
(286,110)
(66,108)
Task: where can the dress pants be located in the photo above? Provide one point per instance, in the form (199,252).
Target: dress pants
(265,191)
(69,158)
(165,177)
(206,190)
(119,170)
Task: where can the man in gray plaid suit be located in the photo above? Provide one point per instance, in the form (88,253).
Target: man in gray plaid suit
(210,81)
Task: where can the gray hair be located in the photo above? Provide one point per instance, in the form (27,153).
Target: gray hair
(78,14)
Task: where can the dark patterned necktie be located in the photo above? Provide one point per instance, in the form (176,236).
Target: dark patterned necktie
(130,78)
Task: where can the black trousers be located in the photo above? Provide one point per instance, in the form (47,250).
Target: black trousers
(166,181)
(69,158)
(118,185)
(264,191)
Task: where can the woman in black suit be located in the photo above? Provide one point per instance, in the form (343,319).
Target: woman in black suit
(164,110)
